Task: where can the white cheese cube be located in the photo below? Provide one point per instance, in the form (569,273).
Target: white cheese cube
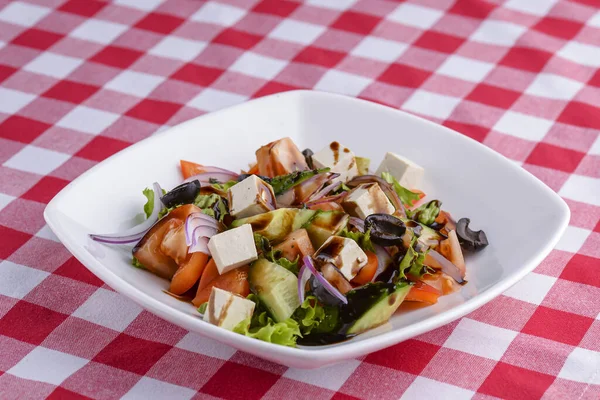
(367,199)
(250,197)
(339,158)
(226,309)
(405,171)
(233,248)
(344,253)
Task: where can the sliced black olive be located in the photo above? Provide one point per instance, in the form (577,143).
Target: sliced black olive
(308,153)
(468,239)
(386,230)
(183,194)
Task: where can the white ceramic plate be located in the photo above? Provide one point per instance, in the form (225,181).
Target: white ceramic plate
(522,217)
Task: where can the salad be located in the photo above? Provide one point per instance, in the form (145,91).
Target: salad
(303,248)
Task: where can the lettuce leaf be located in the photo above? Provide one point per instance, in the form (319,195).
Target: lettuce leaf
(407,197)
(426,213)
(223,187)
(213,205)
(412,262)
(264,246)
(363,239)
(282,183)
(261,326)
(136,263)
(203,307)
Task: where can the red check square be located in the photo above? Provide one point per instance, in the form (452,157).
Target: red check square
(159,23)
(472,8)
(473,131)
(22,129)
(85,8)
(557,325)
(70,91)
(235,38)
(6,71)
(63,394)
(526,58)
(29,322)
(580,114)
(550,156)
(411,356)
(282,8)
(101,147)
(439,42)
(319,56)
(562,28)
(594,81)
(351,21)
(75,270)
(132,354)
(155,111)
(197,74)
(255,382)
(37,39)
(509,382)
(403,75)
(583,269)
(116,56)
(11,241)
(493,96)
(273,87)
(45,189)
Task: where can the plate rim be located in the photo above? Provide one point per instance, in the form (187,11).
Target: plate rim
(302,357)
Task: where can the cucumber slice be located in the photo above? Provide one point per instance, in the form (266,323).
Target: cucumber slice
(276,287)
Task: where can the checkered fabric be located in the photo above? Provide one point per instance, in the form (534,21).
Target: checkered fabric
(83,79)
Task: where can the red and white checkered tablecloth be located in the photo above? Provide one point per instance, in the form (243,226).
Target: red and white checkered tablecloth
(83,79)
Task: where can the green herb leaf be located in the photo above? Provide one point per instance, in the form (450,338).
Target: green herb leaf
(223,187)
(412,262)
(203,307)
(263,246)
(282,183)
(363,239)
(407,197)
(136,263)
(212,204)
(149,206)
(426,213)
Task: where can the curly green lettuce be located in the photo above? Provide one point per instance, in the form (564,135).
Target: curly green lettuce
(264,246)
(426,213)
(363,239)
(213,205)
(412,262)
(407,197)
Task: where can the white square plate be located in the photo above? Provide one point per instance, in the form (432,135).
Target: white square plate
(522,217)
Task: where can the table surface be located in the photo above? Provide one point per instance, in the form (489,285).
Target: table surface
(83,79)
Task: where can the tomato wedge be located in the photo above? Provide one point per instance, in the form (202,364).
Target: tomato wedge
(423,293)
(234,281)
(188,273)
(189,168)
(366,273)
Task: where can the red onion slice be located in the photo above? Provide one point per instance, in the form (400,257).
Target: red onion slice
(328,286)
(134,234)
(199,228)
(303,277)
(357,223)
(386,187)
(335,199)
(447,267)
(201,246)
(383,259)
(331,187)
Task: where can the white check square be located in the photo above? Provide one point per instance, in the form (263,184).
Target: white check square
(414,15)
(148,388)
(17,281)
(465,68)
(582,365)
(498,32)
(595,20)
(108,309)
(12,101)
(213,100)
(425,388)
(379,49)
(45,232)
(582,188)
(480,339)
(431,104)
(258,66)
(554,87)
(332,377)
(584,54)
(87,120)
(145,5)
(5,200)
(523,126)
(595,149)
(342,82)
(45,365)
(98,31)
(204,345)
(533,288)
(178,48)
(297,31)
(219,14)
(535,7)
(54,65)
(332,4)
(135,83)
(37,160)
(23,14)
(573,238)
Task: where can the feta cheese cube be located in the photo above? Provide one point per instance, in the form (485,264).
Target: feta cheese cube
(339,158)
(405,171)
(367,199)
(250,197)
(226,309)
(344,253)
(233,248)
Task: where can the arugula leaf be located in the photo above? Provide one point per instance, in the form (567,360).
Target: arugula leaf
(362,164)
(261,326)
(136,263)
(282,183)
(213,205)
(363,239)
(426,213)
(407,197)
